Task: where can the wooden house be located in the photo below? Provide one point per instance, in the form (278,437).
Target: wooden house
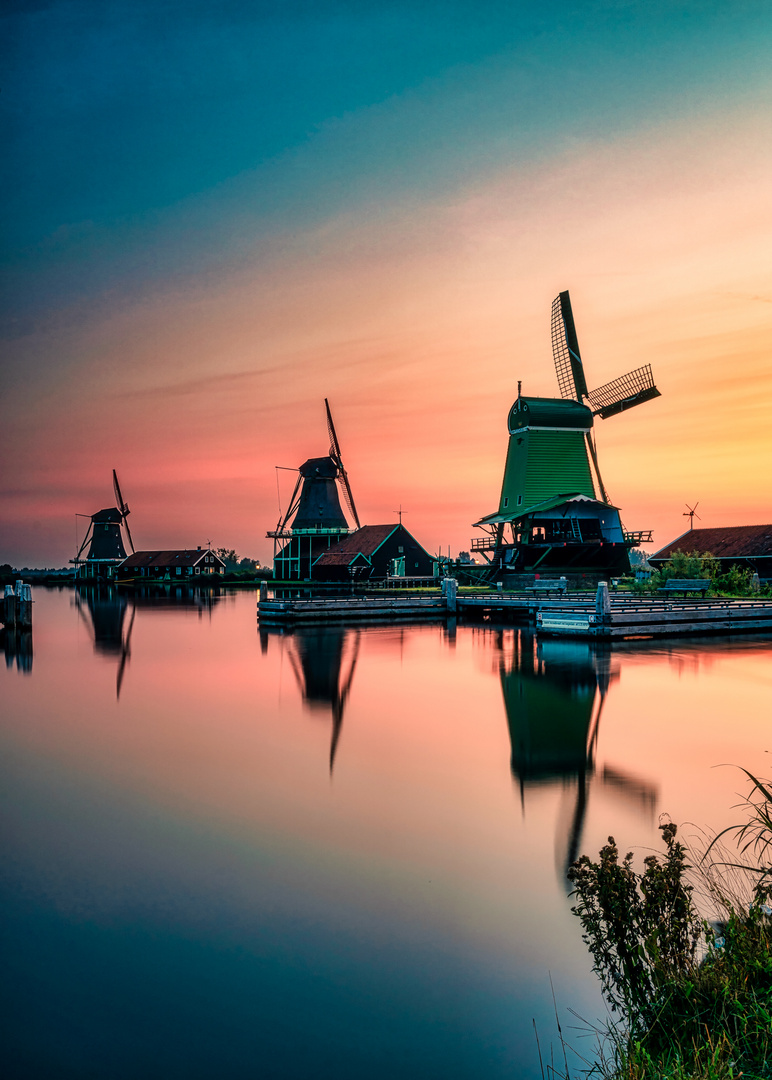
(746,546)
(374,551)
(182,564)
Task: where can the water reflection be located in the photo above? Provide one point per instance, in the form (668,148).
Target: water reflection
(17,645)
(554,694)
(104,610)
(323,661)
(185,893)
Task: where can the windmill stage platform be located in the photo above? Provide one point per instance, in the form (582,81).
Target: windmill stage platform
(581,614)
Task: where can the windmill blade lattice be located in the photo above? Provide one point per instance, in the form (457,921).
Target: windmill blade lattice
(336,456)
(123,508)
(565,350)
(623,393)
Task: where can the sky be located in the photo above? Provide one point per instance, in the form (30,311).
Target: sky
(218,214)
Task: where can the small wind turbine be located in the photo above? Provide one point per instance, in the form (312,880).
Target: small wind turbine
(691,513)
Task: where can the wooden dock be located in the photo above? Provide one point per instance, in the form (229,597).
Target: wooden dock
(659,618)
(600,615)
(351,610)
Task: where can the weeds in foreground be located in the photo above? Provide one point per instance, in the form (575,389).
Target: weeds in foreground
(692,999)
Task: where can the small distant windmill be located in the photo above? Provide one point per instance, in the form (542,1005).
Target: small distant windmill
(314,519)
(691,513)
(107,549)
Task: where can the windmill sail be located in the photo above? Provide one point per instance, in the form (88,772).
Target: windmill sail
(565,350)
(335,454)
(623,393)
(123,508)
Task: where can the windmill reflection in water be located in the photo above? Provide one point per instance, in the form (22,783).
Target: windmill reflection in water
(106,617)
(323,661)
(554,694)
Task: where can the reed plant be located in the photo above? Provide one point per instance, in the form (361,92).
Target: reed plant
(690,996)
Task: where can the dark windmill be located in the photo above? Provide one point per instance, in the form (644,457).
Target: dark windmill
(106,551)
(314,520)
(557,519)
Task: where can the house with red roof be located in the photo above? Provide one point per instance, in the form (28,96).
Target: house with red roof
(374,551)
(746,546)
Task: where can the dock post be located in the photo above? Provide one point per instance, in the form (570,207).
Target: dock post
(602,601)
(9,610)
(25,607)
(450,587)
(263,591)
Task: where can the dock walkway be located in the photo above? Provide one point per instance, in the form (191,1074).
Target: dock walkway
(600,615)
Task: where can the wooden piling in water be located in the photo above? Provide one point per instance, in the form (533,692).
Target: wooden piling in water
(17,607)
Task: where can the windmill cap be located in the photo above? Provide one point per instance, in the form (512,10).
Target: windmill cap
(107,517)
(549,413)
(323,467)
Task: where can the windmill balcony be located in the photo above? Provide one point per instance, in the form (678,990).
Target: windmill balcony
(287,534)
(484,543)
(642,536)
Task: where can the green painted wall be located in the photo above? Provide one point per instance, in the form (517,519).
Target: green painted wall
(541,465)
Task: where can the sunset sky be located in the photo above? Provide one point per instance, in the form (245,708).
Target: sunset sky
(217,214)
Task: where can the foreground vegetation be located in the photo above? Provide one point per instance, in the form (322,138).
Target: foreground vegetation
(691,999)
(734,582)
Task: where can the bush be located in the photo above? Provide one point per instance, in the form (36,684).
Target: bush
(693,1000)
(735,582)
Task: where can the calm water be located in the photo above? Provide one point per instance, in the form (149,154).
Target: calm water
(342,853)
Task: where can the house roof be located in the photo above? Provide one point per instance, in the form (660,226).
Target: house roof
(365,541)
(169,558)
(339,558)
(728,542)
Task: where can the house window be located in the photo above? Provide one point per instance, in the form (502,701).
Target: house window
(198,569)
(401,549)
(506,501)
(179,569)
(519,500)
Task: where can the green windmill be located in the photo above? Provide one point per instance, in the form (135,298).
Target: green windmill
(554,511)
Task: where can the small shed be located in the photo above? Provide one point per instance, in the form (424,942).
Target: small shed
(374,551)
(173,565)
(746,546)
